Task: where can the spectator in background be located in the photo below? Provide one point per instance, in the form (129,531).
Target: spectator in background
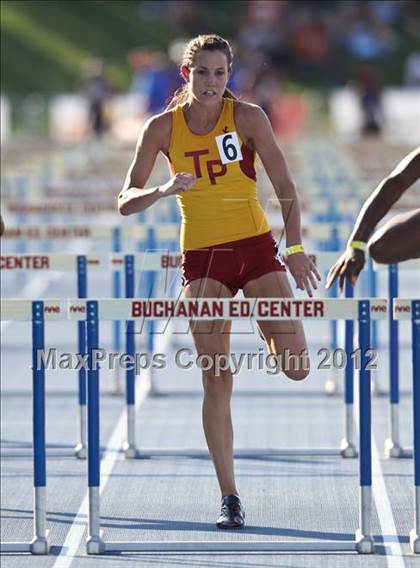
(369,34)
(370,96)
(310,44)
(97,91)
(166,79)
(155,78)
(412,70)
(141,62)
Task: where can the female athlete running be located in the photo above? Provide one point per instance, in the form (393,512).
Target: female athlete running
(210,139)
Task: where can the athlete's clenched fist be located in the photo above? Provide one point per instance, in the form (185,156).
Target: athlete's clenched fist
(180,183)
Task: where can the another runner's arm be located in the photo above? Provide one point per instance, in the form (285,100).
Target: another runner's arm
(275,165)
(385,195)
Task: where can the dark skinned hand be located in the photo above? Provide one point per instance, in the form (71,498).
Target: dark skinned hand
(347,267)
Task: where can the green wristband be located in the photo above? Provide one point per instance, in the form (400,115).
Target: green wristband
(358,245)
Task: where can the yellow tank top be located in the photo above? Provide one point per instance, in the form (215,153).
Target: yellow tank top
(223,205)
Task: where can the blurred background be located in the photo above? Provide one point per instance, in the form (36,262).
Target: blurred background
(72,70)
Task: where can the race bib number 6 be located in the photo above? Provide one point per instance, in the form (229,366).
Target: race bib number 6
(229,149)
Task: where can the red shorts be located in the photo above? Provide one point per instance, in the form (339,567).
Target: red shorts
(235,263)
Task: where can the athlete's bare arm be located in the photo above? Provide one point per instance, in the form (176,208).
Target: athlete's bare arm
(153,139)
(387,193)
(255,128)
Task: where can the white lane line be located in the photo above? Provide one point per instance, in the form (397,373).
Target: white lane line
(77,529)
(393,551)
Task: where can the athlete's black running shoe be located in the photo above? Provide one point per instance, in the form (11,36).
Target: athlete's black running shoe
(232,515)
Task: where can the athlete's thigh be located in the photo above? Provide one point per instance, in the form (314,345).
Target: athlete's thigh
(211,336)
(398,239)
(279,335)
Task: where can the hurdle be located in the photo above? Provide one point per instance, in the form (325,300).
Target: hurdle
(410,310)
(63,262)
(155,261)
(94,311)
(36,312)
(393,447)
(150,263)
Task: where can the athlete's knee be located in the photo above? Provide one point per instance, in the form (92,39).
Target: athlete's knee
(297,374)
(294,364)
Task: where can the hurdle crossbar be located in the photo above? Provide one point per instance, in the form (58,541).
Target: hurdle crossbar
(61,208)
(147,260)
(157,260)
(163,231)
(323,231)
(59,261)
(210,308)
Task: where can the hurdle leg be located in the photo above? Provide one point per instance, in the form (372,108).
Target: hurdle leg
(151,280)
(372,289)
(150,348)
(80,448)
(364,540)
(116,325)
(393,447)
(94,543)
(348,443)
(331,384)
(129,446)
(118,389)
(39,543)
(415,532)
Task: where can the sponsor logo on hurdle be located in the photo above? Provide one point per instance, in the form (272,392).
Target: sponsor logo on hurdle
(375,308)
(402,309)
(52,309)
(77,308)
